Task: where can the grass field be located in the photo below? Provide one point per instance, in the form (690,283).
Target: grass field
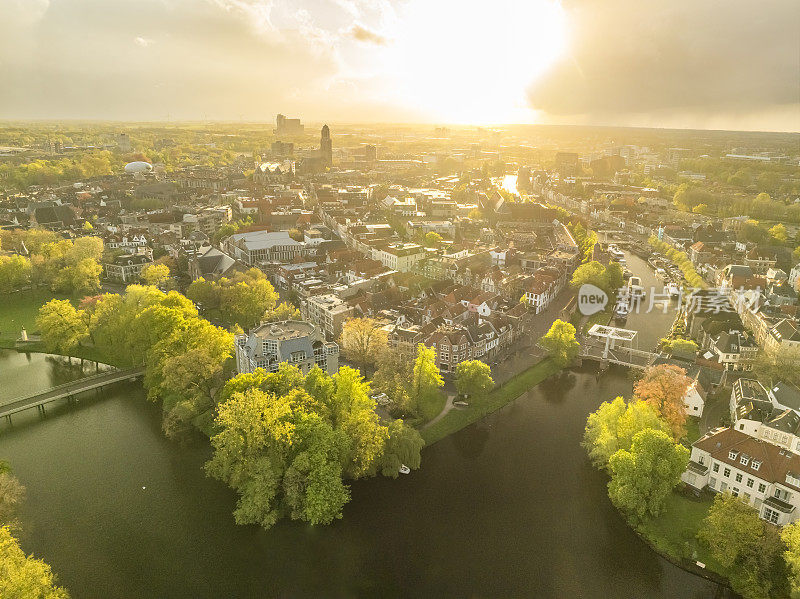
(674,532)
(457,419)
(20,309)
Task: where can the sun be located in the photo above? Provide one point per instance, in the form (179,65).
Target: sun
(471,61)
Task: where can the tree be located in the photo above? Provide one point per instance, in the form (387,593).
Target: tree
(560,343)
(773,366)
(24,577)
(363,341)
(15,272)
(614,424)
(778,233)
(62,326)
(474,378)
(283,311)
(245,299)
(402,448)
(744,544)
(642,478)
(394,377)
(426,378)
(432,239)
(790,535)
(11,494)
(664,387)
(155,274)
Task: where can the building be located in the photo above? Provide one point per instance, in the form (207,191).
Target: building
(265,246)
(293,342)
(328,312)
(762,474)
(770,415)
(326,147)
(399,256)
(126,268)
(286,126)
(212,265)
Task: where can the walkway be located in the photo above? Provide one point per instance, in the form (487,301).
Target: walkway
(41,398)
(627,356)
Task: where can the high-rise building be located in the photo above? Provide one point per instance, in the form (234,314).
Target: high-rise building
(288,126)
(326,147)
(370,153)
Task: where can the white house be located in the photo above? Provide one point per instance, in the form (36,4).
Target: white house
(764,475)
(694,401)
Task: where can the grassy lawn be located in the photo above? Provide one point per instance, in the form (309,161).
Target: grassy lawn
(674,532)
(692,430)
(600,318)
(458,418)
(431,407)
(20,309)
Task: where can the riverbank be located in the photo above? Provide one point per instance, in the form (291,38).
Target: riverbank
(458,418)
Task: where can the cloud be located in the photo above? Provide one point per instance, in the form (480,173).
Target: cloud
(671,57)
(142,41)
(367,36)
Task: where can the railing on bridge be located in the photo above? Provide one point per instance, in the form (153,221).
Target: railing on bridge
(39,398)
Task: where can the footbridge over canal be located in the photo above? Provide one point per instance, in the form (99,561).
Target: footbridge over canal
(67,390)
(615,346)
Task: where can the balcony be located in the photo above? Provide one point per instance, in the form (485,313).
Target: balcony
(777,504)
(697,468)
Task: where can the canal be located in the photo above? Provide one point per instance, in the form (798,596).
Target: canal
(509,507)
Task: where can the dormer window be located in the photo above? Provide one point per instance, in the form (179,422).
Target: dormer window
(755,464)
(732,455)
(744,459)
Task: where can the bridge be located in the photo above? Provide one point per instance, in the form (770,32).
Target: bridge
(40,398)
(606,344)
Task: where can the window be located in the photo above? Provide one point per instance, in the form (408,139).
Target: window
(744,459)
(735,492)
(738,477)
(755,464)
(701,459)
(713,483)
(715,467)
(762,487)
(732,454)
(726,473)
(747,497)
(723,486)
(770,515)
(750,483)
(741,426)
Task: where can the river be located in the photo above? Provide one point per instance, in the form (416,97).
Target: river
(509,507)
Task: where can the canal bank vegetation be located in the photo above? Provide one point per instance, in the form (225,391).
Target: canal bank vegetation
(286,443)
(681,260)
(21,575)
(459,418)
(642,444)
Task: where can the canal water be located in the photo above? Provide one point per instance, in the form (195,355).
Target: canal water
(509,507)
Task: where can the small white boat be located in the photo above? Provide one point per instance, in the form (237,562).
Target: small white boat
(635,287)
(621,311)
(404,469)
(661,273)
(460,404)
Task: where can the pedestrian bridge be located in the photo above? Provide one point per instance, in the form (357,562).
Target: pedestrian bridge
(41,398)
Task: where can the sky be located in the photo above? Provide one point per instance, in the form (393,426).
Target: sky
(723,64)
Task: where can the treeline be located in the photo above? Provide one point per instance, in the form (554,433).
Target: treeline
(184,355)
(63,265)
(681,260)
(287,442)
(697,199)
(245,299)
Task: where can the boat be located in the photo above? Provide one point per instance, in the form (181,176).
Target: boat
(616,254)
(635,287)
(460,404)
(621,310)
(404,469)
(661,273)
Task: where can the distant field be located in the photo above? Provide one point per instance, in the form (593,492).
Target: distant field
(20,309)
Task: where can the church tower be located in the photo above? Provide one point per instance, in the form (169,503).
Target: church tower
(326,147)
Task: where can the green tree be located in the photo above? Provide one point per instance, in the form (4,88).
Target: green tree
(778,233)
(403,447)
(15,272)
(432,239)
(394,377)
(363,341)
(560,343)
(283,311)
(425,377)
(744,544)
(790,535)
(61,325)
(25,577)
(155,274)
(474,378)
(614,424)
(643,477)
